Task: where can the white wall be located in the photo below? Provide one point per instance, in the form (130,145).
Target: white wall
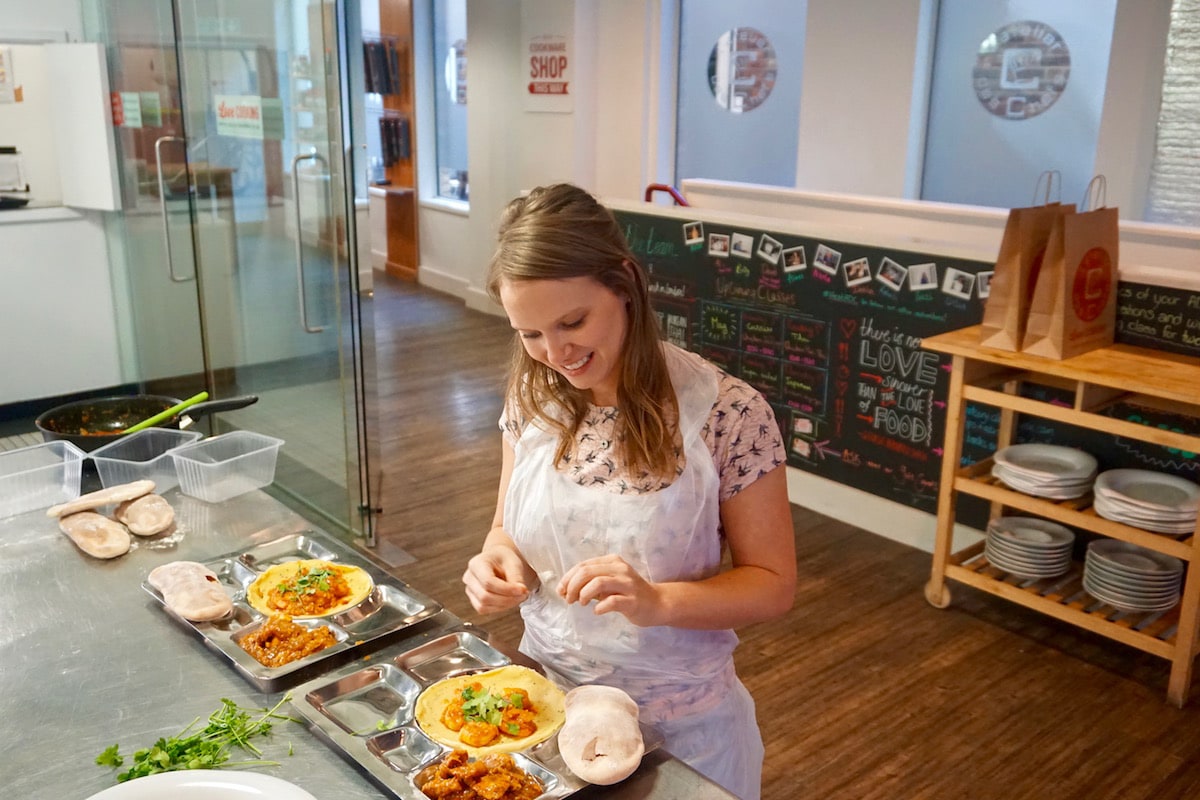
(56,313)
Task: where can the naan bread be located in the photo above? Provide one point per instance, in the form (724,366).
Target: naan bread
(191,590)
(601,740)
(102,497)
(147,515)
(96,534)
(547,700)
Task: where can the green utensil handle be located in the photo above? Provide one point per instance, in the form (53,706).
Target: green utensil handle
(165,415)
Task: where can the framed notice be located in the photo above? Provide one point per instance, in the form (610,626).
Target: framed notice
(548,55)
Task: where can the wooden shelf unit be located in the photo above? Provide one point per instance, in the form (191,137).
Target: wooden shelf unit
(1117,373)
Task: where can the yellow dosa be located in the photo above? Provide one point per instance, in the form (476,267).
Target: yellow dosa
(360,585)
(547,699)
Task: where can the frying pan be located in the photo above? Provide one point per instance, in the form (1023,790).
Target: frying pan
(88,424)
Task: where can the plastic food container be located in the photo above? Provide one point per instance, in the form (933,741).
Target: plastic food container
(144,455)
(225,466)
(39,476)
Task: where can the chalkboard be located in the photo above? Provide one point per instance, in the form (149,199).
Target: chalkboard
(830,332)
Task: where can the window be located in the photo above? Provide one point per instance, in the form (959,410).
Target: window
(1016,91)
(738,111)
(450,96)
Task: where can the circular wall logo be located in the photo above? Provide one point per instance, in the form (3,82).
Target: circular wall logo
(1021,69)
(742,70)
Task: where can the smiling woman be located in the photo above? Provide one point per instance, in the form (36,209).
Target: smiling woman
(629,465)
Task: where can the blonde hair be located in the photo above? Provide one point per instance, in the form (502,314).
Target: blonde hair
(558,232)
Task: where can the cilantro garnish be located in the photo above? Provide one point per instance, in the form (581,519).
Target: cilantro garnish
(209,749)
(309,582)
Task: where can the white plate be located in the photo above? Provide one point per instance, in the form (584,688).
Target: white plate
(1143,520)
(1055,491)
(1046,461)
(1032,533)
(1119,587)
(1131,583)
(1025,568)
(205,784)
(1124,603)
(1134,560)
(1155,491)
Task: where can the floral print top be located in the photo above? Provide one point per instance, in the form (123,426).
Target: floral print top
(741,433)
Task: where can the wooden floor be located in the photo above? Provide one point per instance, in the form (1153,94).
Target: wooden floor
(863,689)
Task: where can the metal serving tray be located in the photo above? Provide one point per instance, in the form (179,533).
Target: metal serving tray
(364,712)
(392,610)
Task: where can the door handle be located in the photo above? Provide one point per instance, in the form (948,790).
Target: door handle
(162,197)
(315,156)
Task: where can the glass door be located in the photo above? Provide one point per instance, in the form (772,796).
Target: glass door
(238,235)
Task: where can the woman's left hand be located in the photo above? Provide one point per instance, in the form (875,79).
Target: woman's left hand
(615,586)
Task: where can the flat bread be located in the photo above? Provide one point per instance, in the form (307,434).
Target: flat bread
(548,702)
(601,740)
(148,515)
(296,578)
(96,534)
(191,590)
(102,497)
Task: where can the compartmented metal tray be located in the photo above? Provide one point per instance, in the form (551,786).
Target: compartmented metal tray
(364,712)
(392,610)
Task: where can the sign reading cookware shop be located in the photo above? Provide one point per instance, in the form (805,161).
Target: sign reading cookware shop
(1021,69)
(547,30)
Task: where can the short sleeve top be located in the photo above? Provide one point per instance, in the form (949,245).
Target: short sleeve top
(741,433)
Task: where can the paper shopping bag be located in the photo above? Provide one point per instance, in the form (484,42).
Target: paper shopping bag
(1074,305)
(1022,249)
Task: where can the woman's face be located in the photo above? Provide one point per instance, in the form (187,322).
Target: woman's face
(575,326)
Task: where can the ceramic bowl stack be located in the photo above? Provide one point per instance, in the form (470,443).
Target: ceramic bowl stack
(1045,470)
(1029,547)
(1153,501)
(1131,578)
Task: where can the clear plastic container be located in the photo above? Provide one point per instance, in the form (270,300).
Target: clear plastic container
(39,476)
(143,455)
(225,466)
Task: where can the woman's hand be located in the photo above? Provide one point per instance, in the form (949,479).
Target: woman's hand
(496,579)
(615,586)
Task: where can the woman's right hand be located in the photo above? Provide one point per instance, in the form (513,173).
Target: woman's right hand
(497,579)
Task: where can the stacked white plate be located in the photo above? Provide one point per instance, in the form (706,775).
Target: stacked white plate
(1029,547)
(1131,578)
(1045,470)
(1150,500)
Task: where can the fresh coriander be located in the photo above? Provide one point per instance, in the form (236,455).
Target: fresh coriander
(228,726)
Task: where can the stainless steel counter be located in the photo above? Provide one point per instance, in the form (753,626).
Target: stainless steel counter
(89,659)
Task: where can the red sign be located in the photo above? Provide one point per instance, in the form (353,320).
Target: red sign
(547,87)
(118,108)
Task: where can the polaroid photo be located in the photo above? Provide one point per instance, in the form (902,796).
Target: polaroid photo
(857,271)
(983,284)
(742,245)
(958,283)
(802,425)
(693,232)
(718,244)
(801,447)
(827,259)
(769,249)
(794,259)
(922,276)
(891,274)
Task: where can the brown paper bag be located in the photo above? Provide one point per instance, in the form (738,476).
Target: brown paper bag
(1074,305)
(1021,252)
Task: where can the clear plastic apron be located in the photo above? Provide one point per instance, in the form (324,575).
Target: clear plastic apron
(679,677)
